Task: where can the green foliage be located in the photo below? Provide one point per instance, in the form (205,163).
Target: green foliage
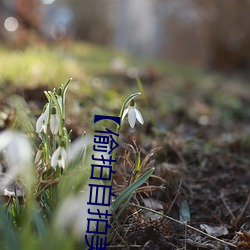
(61,168)
(132,188)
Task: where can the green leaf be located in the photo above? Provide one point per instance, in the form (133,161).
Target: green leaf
(138,163)
(185,212)
(65,87)
(122,209)
(11,237)
(128,191)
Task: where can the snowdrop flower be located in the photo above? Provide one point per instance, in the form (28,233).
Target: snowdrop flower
(72,214)
(133,114)
(17,152)
(78,148)
(59,157)
(54,121)
(42,122)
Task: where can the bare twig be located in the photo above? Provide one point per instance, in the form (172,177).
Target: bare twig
(227,207)
(122,246)
(239,217)
(185,241)
(177,193)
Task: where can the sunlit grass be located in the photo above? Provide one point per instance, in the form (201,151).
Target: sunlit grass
(41,64)
(34,65)
(49,64)
(97,84)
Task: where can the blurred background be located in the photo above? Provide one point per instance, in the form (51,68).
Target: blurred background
(212,34)
(193,60)
(186,52)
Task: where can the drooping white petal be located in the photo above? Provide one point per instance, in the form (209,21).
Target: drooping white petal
(78,148)
(59,157)
(44,127)
(63,159)
(124,113)
(46,112)
(5,139)
(54,124)
(61,163)
(139,116)
(18,156)
(132,117)
(39,123)
(19,151)
(133,114)
(72,213)
(55,156)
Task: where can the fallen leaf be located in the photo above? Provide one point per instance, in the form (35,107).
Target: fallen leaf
(152,204)
(245,236)
(215,231)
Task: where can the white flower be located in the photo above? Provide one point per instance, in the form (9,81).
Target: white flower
(59,157)
(133,114)
(78,148)
(54,121)
(71,216)
(17,152)
(17,148)
(42,122)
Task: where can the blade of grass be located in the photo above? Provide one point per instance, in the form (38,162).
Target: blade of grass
(128,191)
(11,239)
(122,209)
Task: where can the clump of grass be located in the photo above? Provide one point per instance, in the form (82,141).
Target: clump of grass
(46,177)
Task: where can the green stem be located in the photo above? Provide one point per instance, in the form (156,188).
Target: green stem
(54,142)
(47,138)
(65,87)
(118,127)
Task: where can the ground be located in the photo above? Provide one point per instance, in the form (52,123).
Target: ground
(196,125)
(203,160)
